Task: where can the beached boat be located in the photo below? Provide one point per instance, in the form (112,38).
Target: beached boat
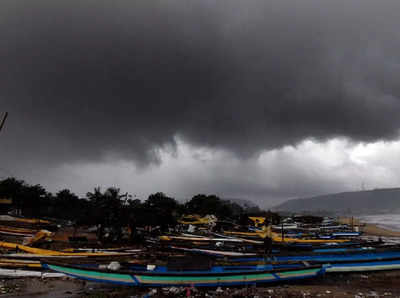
(279,239)
(17,231)
(364,266)
(333,262)
(18,263)
(335,257)
(198,278)
(322,255)
(213,252)
(47,252)
(342,266)
(208,239)
(346,261)
(14,273)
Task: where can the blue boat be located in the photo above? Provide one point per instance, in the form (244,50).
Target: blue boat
(364,266)
(335,259)
(338,257)
(200,278)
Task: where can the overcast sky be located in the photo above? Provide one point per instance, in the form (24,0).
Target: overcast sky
(264,100)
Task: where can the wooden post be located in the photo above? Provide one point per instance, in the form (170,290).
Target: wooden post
(352,223)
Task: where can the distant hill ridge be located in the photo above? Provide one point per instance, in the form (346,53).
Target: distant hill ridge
(357,202)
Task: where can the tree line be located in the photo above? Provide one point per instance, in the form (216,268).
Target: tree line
(113,209)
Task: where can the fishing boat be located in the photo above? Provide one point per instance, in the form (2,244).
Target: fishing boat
(339,256)
(361,260)
(18,263)
(17,231)
(364,265)
(280,237)
(343,266)
(208,239)
(213,252)
(47,252)
(7,273)
(208,277)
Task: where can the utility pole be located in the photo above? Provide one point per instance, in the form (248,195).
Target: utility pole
(3,120)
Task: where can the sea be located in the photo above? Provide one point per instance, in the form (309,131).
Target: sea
(389,221)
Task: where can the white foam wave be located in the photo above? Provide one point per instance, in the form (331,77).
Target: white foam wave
(388,221)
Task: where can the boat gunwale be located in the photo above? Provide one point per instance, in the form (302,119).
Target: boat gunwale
(319,253)
(180,273)
(314,263)
(353,261)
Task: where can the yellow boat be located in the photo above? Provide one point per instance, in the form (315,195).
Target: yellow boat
(47,252)
(266,232)
(38,236)
(19,263)
(207,239)
(197,220)
(258,220)
(247,234)
(278,238)
(15,230)
(32,220)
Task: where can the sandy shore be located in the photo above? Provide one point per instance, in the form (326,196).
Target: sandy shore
(369,229)
(379,284)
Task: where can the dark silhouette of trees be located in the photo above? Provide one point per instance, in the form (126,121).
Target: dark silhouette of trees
(202,204)
(67,205)
(31,200)
(112,211)
(107,210)
(161,210)
(13,189)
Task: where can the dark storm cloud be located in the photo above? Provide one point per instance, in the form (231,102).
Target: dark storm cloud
(82,79)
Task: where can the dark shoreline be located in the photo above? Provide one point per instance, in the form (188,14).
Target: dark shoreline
(373,284)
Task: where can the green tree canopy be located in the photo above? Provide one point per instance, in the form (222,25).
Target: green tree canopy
(202,204)
(161,210)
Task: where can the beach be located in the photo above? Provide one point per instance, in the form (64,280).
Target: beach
(369,229)
(370,284)
(374,284)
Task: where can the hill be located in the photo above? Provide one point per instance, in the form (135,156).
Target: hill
(357,202)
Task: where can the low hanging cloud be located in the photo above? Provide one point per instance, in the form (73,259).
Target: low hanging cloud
(311,168)
(86,80)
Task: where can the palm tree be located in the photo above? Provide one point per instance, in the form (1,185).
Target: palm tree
(107,211)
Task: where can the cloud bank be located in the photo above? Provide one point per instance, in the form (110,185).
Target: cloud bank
(86,80)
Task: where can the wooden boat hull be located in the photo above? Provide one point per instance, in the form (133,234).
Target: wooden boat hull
(339,257)
(365,266)
(198,279)
(278,238)
(47,252)
(216,253)
(15,273)
(375,261)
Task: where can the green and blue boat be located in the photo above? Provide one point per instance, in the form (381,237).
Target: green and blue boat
(211,277)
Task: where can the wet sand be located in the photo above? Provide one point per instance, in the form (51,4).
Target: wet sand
(56,287)
(377,284)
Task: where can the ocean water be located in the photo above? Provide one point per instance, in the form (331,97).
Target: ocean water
(389,221)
